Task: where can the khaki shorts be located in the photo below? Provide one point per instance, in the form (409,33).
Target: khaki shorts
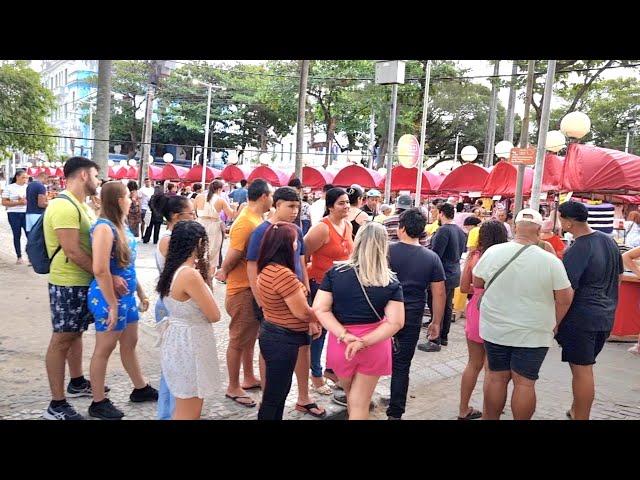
(244,326)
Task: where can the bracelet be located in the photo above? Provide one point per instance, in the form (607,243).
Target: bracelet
(341,337)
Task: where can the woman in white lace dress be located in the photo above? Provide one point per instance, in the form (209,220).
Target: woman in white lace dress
(208,206)
(189,356)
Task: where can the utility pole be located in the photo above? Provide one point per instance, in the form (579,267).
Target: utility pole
(524,134)
(455,154)
(511,110)
(103,117)
(145,148)
(391,141)
(372,137)
(302,105)
(423,133)
(542,135)
(490,138)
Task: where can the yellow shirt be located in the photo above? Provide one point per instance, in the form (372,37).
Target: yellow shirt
(380,218)
(241,230)
(473,238)
(61,214)
(431,229)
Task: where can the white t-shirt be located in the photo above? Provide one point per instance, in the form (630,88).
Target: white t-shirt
(316,210)
(14,192)
(518,310)
(145,195)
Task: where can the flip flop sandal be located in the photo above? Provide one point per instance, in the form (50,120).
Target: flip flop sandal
(472,415)
(323,389)
(308,409)
(237,397)
(256,386)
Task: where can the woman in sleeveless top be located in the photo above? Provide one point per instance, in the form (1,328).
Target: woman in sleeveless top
(134,218)
(491,233)
(356,217)
(174,209)
(116,319)
(189,357)
(208,209)
(326,242)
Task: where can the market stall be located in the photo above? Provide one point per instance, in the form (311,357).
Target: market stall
(315,177)
(173,172)
(502,180)
(235,173)
(405,179)
(357,174)
(154,172)
(275,177)
(195,174)
(467,178)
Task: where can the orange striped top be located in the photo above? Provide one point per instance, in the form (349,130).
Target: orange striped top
(275,283)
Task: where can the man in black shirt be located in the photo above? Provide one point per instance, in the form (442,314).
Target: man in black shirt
(593,265)
(418,268)
(449,243)
(373,200)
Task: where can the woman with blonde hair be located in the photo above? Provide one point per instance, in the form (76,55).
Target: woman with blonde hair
(360,303)
(209,206)
(114,253)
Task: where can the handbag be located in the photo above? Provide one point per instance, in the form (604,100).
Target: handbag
(394,343)
(497,274)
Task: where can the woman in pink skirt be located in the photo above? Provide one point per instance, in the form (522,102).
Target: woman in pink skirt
(360,304)
(491,233)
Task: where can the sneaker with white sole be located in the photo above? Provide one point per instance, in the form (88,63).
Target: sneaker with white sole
(82,391)
(62,412)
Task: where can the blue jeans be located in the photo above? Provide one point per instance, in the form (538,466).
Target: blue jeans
(406,341)
(17,220)
(166,401)
(318,343)
(279,347)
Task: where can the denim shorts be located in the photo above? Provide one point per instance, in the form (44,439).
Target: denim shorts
(580,347)
(525,361)
(69,309)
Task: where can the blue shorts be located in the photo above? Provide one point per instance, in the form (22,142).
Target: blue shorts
(580,347)
(69,309)
(525,361)
(127,309)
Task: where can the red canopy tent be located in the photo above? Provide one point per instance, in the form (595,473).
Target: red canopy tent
(593,169)
(314,177)
(470,177)
(552,175)
(195,174)
(405,179)
(235,173)
(130,173)
(502,180)
(277,178)
(173,172)
(364,177)
(59,172)
(154,172)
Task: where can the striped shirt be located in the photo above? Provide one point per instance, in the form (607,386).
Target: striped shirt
(275,283)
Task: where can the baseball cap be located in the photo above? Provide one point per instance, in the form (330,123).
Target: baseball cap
(374,193)
(529,215)
(404,201)
(384,207)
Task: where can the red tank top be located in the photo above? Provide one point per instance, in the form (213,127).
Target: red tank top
(338,248)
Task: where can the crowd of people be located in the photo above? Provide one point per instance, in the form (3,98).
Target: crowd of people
(366,273)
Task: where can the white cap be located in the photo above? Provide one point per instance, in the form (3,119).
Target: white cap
(529,215)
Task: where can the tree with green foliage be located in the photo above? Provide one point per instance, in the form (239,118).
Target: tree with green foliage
(25,105)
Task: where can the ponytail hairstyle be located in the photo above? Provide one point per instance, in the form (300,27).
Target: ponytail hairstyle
(214,187)
(169,206)
(110,209)
(187,237)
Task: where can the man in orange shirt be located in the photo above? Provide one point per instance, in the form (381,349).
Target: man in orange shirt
(243,328)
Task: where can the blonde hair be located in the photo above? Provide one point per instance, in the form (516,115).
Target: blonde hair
(369,257)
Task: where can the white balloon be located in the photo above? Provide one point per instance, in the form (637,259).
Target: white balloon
(264,159)
(382,171)
(47,164)
(111,163)
(132,163)
(469,153)
(123,163)
(503,149)
(575,125)
(555,142)
(167,157)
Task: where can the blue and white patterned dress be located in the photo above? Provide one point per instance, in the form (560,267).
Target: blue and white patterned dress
(127,307)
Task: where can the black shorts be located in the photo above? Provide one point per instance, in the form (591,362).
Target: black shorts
(580,347)
(525,361)
(69,309)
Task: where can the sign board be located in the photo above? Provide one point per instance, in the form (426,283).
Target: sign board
(523,156)
(496,197)
(408,151)
(475,194)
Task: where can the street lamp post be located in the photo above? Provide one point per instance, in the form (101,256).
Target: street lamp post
(206,127)
(455,155)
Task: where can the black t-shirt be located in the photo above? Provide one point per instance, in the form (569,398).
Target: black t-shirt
(350,306)
(34,189)
(593,264)
(368,211)
(417,267)
(449,243)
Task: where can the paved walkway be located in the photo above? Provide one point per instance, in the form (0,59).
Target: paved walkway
(25,330)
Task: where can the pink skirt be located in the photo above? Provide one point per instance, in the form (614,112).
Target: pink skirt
(472,314)
(374,360)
